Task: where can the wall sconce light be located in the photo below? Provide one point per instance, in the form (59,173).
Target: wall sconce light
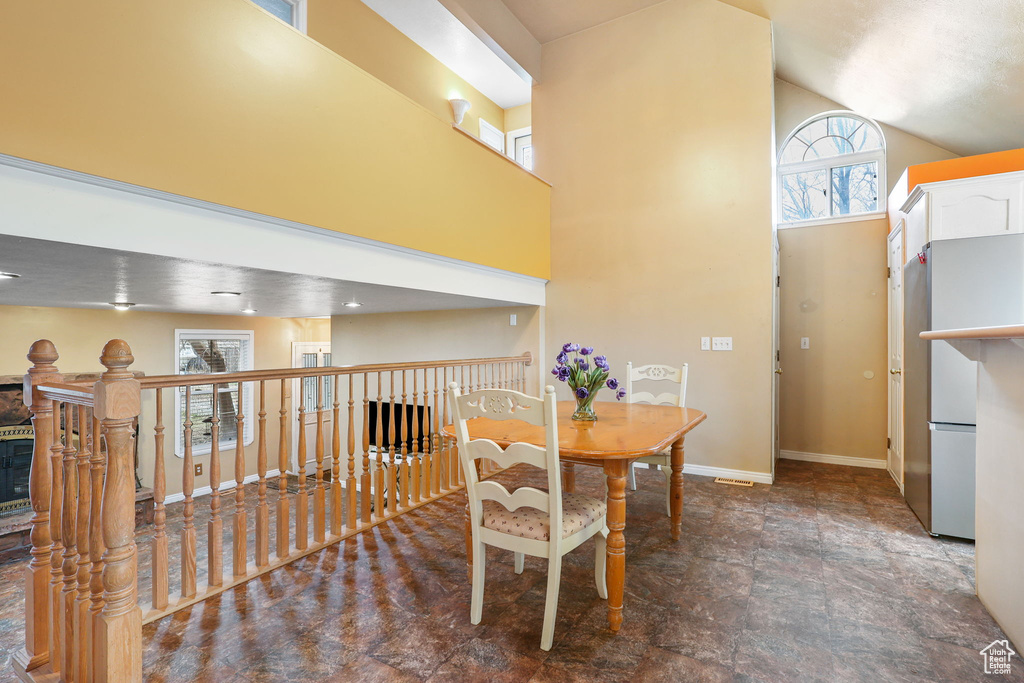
(459,109)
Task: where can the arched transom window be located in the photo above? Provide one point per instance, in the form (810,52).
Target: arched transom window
(832,165)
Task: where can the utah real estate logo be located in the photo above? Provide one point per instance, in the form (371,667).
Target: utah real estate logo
(997,657)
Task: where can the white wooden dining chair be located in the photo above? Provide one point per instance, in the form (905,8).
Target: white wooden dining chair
(521,520)
(676,396)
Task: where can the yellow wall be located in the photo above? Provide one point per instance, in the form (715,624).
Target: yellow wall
(79,335)
(518,117)
(834,290)
(655,130)
(363,37)
(221,102)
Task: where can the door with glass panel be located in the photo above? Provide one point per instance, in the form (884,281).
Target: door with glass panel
(309,393)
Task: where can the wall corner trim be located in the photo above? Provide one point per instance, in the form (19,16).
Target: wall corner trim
(849,461)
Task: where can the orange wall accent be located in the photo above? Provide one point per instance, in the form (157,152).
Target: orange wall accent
(219,101)
(965,167)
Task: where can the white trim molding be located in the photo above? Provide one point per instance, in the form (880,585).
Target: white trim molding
(849,461)
(709,471)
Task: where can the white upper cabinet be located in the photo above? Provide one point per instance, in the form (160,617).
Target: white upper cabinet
(969,207)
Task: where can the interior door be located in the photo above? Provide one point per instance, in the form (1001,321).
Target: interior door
(304,392)
(895,450)
(776,354)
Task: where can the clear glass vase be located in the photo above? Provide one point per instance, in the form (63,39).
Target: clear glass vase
(585,409)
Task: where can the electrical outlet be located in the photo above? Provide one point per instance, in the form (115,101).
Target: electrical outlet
(705,343)
(721,343)
(512,320)
(805,342)
(199,469)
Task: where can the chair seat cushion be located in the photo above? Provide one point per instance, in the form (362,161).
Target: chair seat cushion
(578,512)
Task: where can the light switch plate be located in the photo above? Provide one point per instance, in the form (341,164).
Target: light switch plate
(805,342)
(512,320)
(721,343)
(705,343)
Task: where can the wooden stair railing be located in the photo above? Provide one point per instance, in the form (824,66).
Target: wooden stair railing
(84,598)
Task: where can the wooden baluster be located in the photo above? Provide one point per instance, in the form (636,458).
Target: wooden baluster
(83,625)
(239,534)
(262,511)
(302,501)
(96,547)
(337,515)
(378,475)
(364,477)
(215,527)
(432,419)
(404,488)
(392,460)
(420,468)
(45,423)
(119,632)
(57,547)
(452,454)
(319,499)
(283,511)
(188,482)
(350,483)
(68,533)
(159,543)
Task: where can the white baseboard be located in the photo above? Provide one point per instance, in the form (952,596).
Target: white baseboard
(224,486)
(708,471)
(896,479)
(873,463)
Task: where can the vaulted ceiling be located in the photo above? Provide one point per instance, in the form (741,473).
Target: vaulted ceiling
(948,71)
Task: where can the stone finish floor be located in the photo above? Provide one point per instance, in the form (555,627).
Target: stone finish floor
(825,576)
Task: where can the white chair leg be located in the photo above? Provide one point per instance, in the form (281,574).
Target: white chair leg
(551,602)
(600,562)
(632,476)
(667,471)
(476,606)
(519,557)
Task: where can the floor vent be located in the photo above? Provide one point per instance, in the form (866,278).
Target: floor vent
(734,482)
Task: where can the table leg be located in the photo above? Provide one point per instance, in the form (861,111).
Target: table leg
(615,473)
(676,489)
(569,477)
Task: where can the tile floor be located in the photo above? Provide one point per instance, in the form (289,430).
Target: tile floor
(825,576)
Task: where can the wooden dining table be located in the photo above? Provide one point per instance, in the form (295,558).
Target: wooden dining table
(622,433)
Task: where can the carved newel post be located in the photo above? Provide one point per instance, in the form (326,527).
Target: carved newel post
(37,575)
(119,628)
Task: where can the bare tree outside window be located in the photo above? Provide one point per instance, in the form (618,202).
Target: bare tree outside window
(830,167)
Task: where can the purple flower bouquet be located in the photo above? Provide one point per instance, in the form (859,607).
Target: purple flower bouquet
(586,374)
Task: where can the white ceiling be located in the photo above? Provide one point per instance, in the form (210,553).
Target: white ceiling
(550,20)
(948,71)
(75,276)
(431,26)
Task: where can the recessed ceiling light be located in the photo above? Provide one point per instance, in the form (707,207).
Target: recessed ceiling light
(8,276)
(226,293)
(248,310)
(353,304)
(121,305)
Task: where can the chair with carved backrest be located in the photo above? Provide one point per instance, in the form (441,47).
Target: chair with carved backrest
(521,520)
(676,396)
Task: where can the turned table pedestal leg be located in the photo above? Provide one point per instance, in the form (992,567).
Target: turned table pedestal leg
(615,472)
(569,477)
(676,489)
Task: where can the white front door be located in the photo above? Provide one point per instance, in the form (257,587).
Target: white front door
(305,394)
(895,450)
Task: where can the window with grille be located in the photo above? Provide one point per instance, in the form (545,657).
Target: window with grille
(203,352)
(291,12)
(832,166)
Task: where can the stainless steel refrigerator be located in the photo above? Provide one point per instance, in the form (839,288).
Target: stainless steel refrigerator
(973,282)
